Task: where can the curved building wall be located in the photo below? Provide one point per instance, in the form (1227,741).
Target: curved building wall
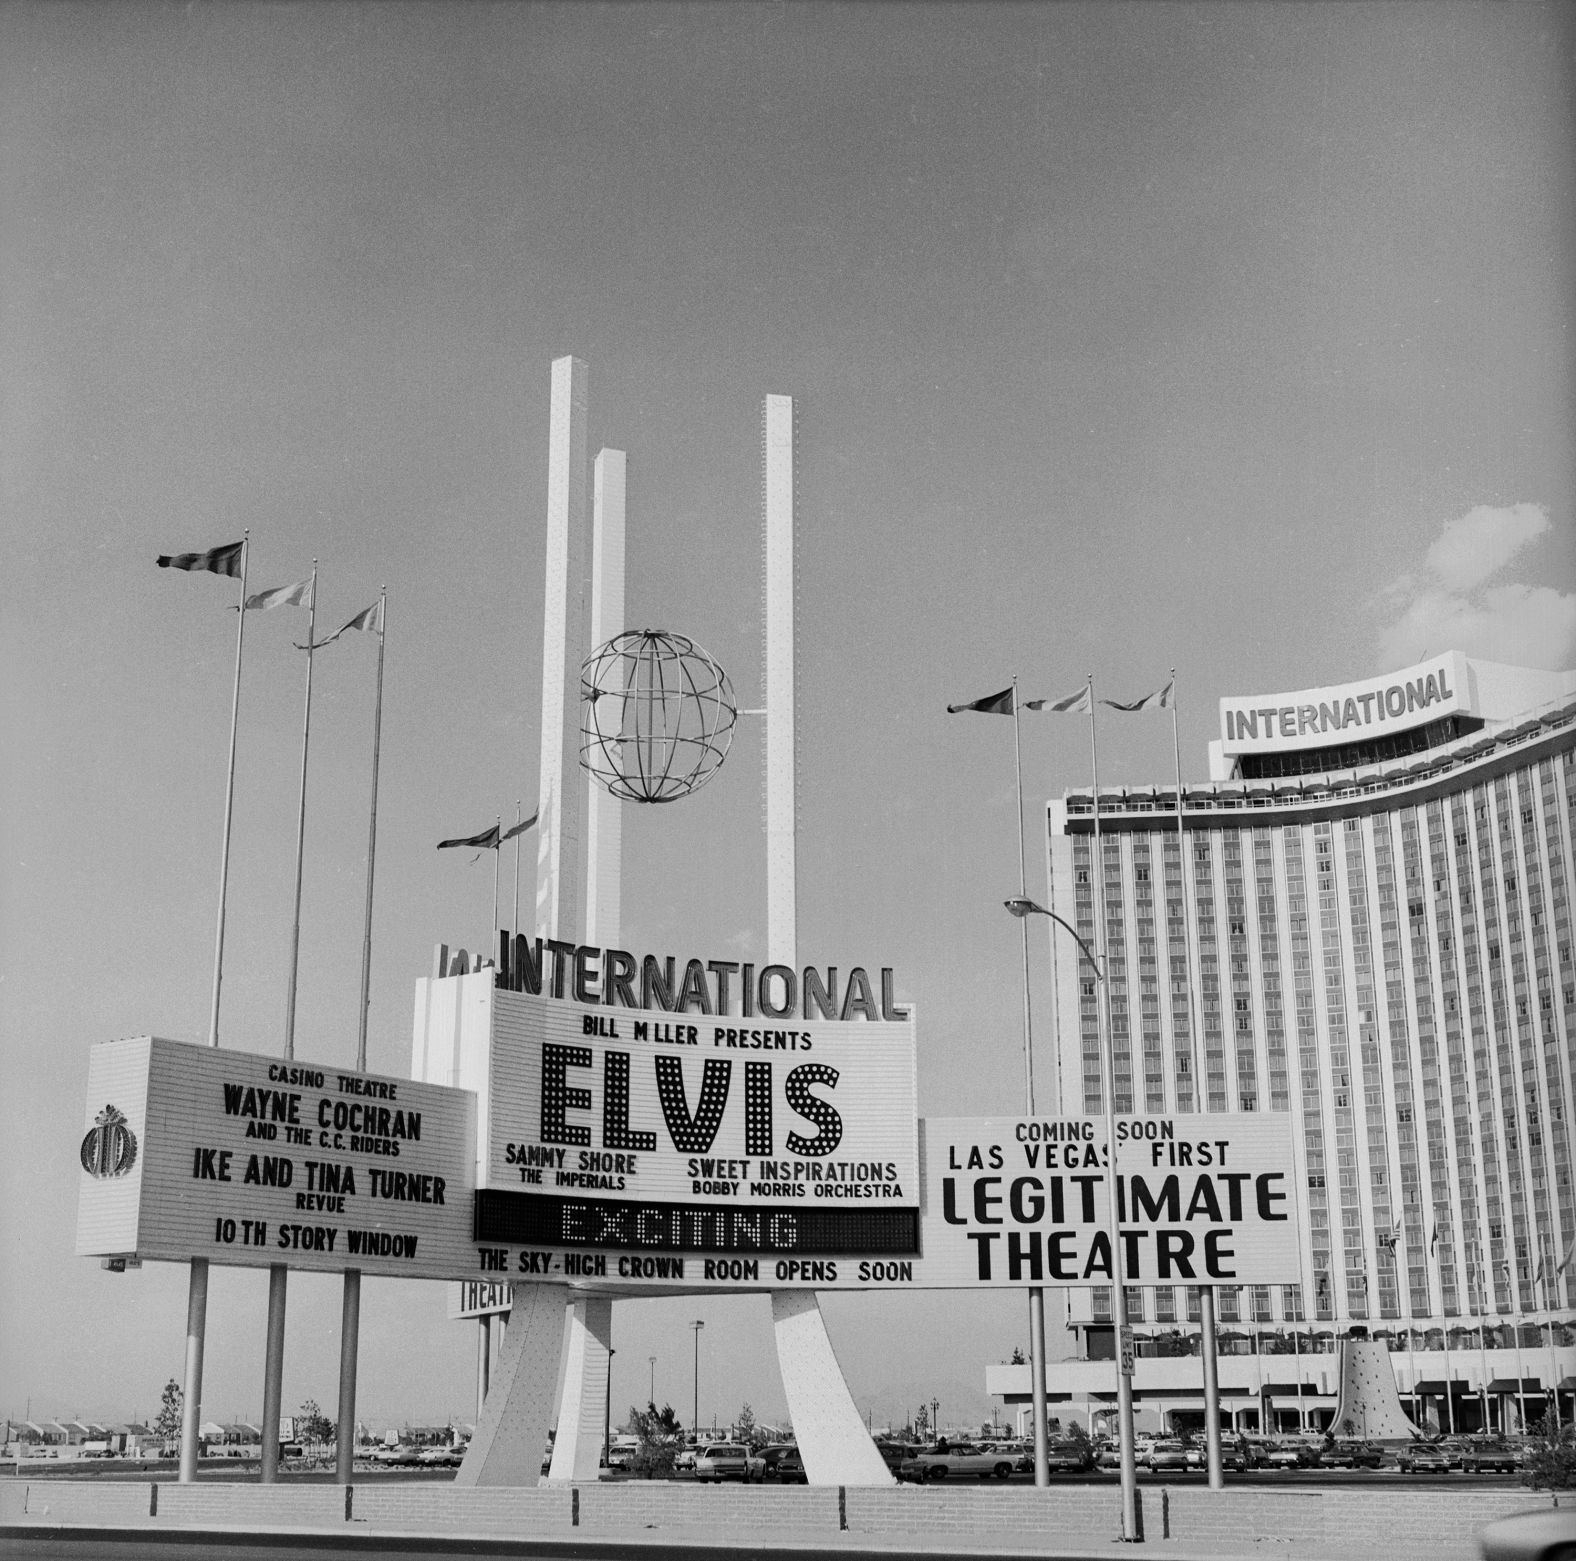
(1388,958)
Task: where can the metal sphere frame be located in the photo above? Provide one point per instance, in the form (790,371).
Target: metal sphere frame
(657,716)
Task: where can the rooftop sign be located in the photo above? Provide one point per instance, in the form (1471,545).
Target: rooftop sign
(1346,712)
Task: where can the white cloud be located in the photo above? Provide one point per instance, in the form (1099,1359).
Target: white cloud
(1478,545)
(1450,606)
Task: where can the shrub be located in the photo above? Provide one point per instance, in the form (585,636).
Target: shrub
(1551,1457)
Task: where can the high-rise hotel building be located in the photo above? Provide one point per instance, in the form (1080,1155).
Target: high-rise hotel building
(1371,901)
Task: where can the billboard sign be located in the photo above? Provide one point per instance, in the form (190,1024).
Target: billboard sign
(1346,712)
(695,1132)
(1203,1199)
(1011,1202)
(193,1151)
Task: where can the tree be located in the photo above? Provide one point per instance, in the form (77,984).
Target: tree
(168,1424)
(744,1426)
(312,1425)
(661,1436)
(1551,1457)
(1018,1357)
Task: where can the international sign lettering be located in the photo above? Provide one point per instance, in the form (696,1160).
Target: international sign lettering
(1347,711)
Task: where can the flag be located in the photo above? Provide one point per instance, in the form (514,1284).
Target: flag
(1068,704)
(520,828)
(1389,1242)
(224,560)
(1570,1257)
(297,595)
(1433,1241)
(487,840)
(1161,699)
(371,619)
(992,704)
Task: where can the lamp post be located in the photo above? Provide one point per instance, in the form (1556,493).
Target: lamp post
(697,1325)
(651,1397)
(607,1414)
(1021,907)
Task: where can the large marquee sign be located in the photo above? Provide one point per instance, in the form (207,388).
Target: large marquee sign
(1011,1202)
(1346,712)
(699,1132)
(192,1151)
(1202,1200)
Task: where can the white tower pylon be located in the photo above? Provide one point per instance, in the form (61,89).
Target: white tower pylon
(833,1440)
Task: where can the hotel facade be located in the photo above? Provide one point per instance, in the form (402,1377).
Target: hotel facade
(1363,920)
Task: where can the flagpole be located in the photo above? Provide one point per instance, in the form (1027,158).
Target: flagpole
(1521,1381)
(1126,1452)
(306,732)
(372,841)
(1042,1467)
(229,800)
(519,815)
(1545,1262)
(1206,1295)
(350,1298)
(492,937)
(1482,1336)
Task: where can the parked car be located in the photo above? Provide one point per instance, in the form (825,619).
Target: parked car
(718,1461)
(1348,1454)
(937,1462)
(1067,1457)
(1489,1458)
(1424,1458)
(895,1454)
(1167,1455)
(1289,1455)
(783,1465)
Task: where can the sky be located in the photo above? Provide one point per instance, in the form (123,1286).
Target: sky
(1225,338)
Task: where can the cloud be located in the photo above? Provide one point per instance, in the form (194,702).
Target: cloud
(1451,606)
(1469,550)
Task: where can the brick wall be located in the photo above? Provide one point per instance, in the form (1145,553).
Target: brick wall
(1340,1518)
(727,1509)
(485,1509)
(265,1506)
(81,1501)
(1347,1520)
(1075,1511)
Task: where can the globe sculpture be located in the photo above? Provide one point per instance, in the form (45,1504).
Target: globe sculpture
(657,716)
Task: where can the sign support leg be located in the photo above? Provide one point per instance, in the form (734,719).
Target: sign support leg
(583,1408)
(274,1371)
(512,1433)
(191,1393)
(349,1344)
(1206,1312)
(833,1440)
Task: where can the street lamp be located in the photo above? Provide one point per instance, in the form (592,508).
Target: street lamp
(1022,907)
(697,1325)
(651,1398)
